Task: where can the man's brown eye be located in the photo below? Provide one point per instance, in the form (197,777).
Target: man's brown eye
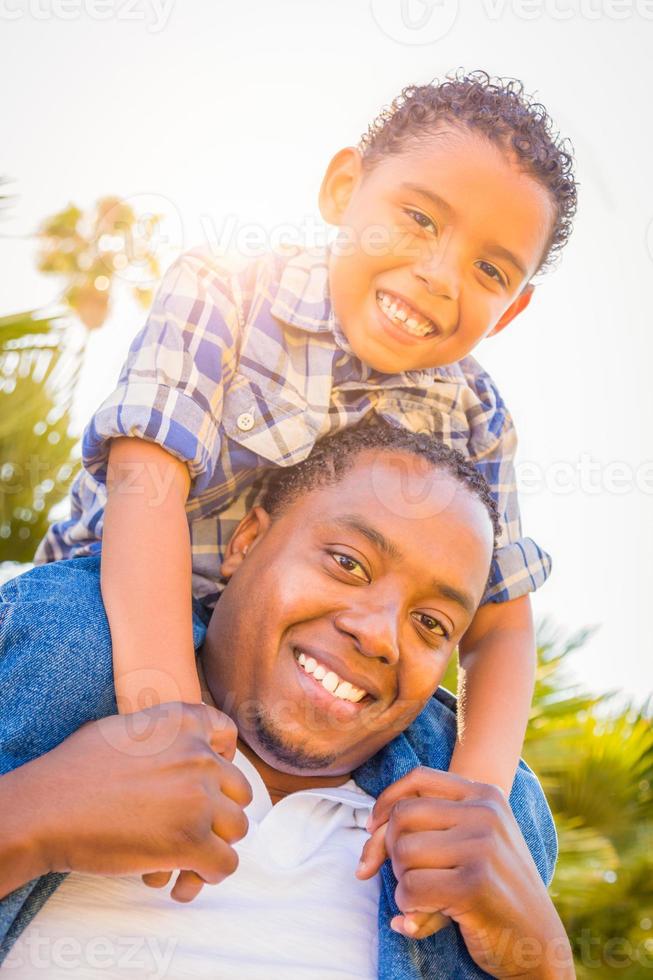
(432,625)
(349,564)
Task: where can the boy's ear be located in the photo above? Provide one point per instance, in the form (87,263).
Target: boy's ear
(342,175)
(514,309)
(244,539)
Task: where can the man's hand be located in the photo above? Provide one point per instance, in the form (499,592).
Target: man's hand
(148,792)
(457,851)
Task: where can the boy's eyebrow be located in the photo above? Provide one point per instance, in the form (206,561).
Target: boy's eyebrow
(492,248)
(499,250)
(354,522)
(435,199)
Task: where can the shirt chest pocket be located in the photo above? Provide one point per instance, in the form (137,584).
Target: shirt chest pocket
(264,418)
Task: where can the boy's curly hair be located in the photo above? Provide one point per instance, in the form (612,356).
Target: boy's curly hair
(499,109)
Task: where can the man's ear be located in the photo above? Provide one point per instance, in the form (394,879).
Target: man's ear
(514,309)
(342,176)
(246,536)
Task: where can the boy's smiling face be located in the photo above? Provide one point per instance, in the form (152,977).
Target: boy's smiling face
(436,248)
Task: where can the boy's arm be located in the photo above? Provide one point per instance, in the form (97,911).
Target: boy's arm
(146,576)
(496,679)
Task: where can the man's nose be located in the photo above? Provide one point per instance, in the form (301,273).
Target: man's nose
(373,631)
(438,266)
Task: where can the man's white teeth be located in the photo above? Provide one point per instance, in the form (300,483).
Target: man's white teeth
(397,311)
(330,680)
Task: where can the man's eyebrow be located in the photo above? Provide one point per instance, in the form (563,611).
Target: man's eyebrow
(492,248)
(354,522)
(459,596)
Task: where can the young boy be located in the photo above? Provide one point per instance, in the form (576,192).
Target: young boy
(456,197)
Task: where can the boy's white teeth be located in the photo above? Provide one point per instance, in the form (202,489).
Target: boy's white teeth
(330,680)
(405,315)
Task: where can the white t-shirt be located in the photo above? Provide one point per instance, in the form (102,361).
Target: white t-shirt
(293,910)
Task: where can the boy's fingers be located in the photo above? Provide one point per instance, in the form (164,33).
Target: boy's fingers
(374,853)
(157,879)
(419,925)
(422,781)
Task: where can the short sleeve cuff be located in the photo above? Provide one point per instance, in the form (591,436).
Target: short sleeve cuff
(159,414)
(517,569)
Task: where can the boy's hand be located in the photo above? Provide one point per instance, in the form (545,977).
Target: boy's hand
(457,851)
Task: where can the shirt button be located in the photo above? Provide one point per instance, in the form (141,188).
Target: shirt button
(245,422)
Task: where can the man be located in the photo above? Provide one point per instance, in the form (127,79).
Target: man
(349,588)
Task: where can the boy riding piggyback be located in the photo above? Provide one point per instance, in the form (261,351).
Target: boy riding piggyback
(457,195)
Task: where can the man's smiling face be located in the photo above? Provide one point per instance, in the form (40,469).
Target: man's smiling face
(375,578)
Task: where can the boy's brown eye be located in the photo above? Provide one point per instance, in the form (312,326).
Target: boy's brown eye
(421,219)
(492,272)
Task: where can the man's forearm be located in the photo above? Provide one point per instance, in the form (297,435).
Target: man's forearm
(22,855)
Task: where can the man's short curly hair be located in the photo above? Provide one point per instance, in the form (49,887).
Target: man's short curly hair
(497,108)
(334,456)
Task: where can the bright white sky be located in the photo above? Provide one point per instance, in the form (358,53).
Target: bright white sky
(233,108)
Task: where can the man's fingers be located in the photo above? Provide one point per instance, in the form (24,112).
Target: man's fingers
(229,821)
(373,854)
(157,879)
(187,886)
(216,860)
(435,849)
(426,890)
(221,732)
(421,781)
(419,925)
(235,784)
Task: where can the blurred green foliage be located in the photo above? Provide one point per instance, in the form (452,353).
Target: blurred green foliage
(38,371)
(594,758)
(91,253)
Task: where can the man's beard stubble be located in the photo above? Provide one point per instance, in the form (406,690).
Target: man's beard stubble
(271,737)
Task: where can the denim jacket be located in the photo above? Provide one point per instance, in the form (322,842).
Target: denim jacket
(56,674)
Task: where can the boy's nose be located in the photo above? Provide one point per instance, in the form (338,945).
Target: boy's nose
(438,268)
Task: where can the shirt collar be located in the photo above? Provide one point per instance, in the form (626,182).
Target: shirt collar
(302,300)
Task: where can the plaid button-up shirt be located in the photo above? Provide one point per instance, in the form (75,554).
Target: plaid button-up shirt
(238,370)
